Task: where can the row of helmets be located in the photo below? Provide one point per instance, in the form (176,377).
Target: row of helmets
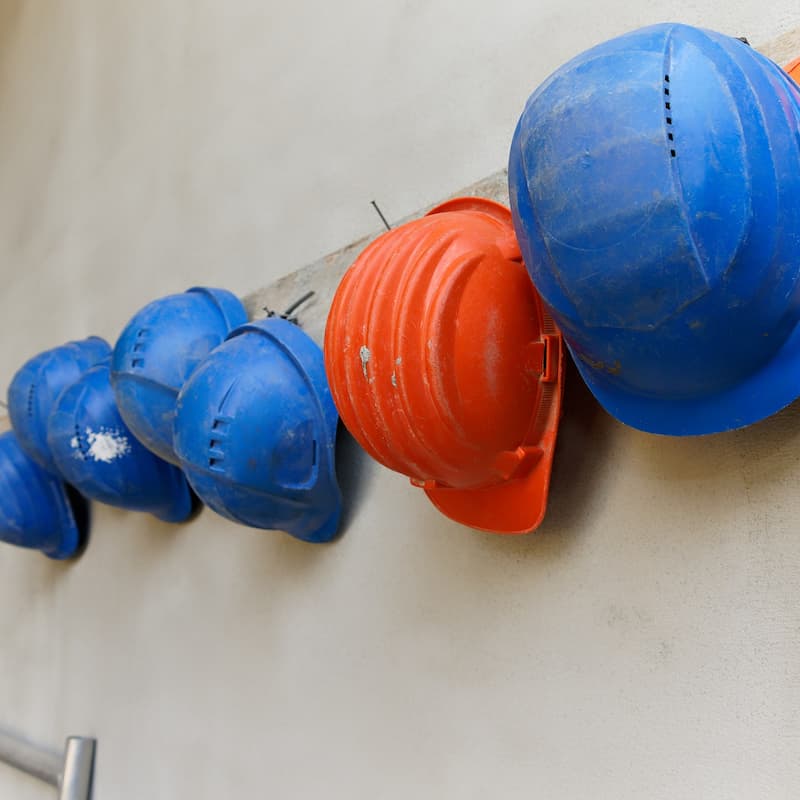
(242,408)
(655,202)
(654,223)
(193,404)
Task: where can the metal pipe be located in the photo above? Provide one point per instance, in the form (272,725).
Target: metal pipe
(46,765)
(76,780)
(71,772)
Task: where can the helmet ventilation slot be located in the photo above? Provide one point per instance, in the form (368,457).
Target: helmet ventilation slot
(31,396)
(138,347)
(215,455)
(668,109)
(218,436)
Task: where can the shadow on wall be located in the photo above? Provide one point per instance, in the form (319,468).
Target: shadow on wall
(750,466)
(581,458)
(353,467)
(578,480)
(759,457)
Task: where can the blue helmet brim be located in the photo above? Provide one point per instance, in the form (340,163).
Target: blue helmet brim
(773,387)
(37,509)
(182,505)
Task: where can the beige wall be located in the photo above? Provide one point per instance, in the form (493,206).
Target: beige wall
(643,644)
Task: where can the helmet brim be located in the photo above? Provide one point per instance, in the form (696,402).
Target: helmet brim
(765,392)
(182,507)
(515,507)
(321,533)
(74,511)
(518,505)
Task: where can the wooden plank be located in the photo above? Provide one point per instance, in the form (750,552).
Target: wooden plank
(323,276)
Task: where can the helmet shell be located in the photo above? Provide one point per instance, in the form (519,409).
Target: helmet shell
(655,188)
(94,450)
(255,432)
(445,366)
(158,350)
(37,510)
(36,386)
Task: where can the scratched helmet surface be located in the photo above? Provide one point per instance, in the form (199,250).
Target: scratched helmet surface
(445,366)
(158,350)
(655,188)
(256,432)
(36,386)
(37,509)
(96,452)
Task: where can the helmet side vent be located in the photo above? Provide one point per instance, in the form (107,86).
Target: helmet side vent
(219,433)
(31,398)
(668,115)
(139,347)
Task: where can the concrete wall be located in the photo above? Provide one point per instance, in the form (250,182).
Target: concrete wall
(644,643)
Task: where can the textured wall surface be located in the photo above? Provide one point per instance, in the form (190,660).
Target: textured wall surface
(644,643)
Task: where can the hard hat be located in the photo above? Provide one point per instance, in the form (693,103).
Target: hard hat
(445,366)
(96,453)
(38,510)
(655,188)
(157,352)
(792,69)
(255,432)
(38,383)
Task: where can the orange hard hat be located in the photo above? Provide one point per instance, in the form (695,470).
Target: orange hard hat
(792,69)
(445,366)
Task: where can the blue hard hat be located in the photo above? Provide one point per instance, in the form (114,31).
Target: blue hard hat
(38,510)
(256,432)
(96,453)
(36,387)
(655,190)
(159,349)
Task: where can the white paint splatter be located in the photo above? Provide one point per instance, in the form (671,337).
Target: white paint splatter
(105,445)
(398,361)
(394,379)
(365,355)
